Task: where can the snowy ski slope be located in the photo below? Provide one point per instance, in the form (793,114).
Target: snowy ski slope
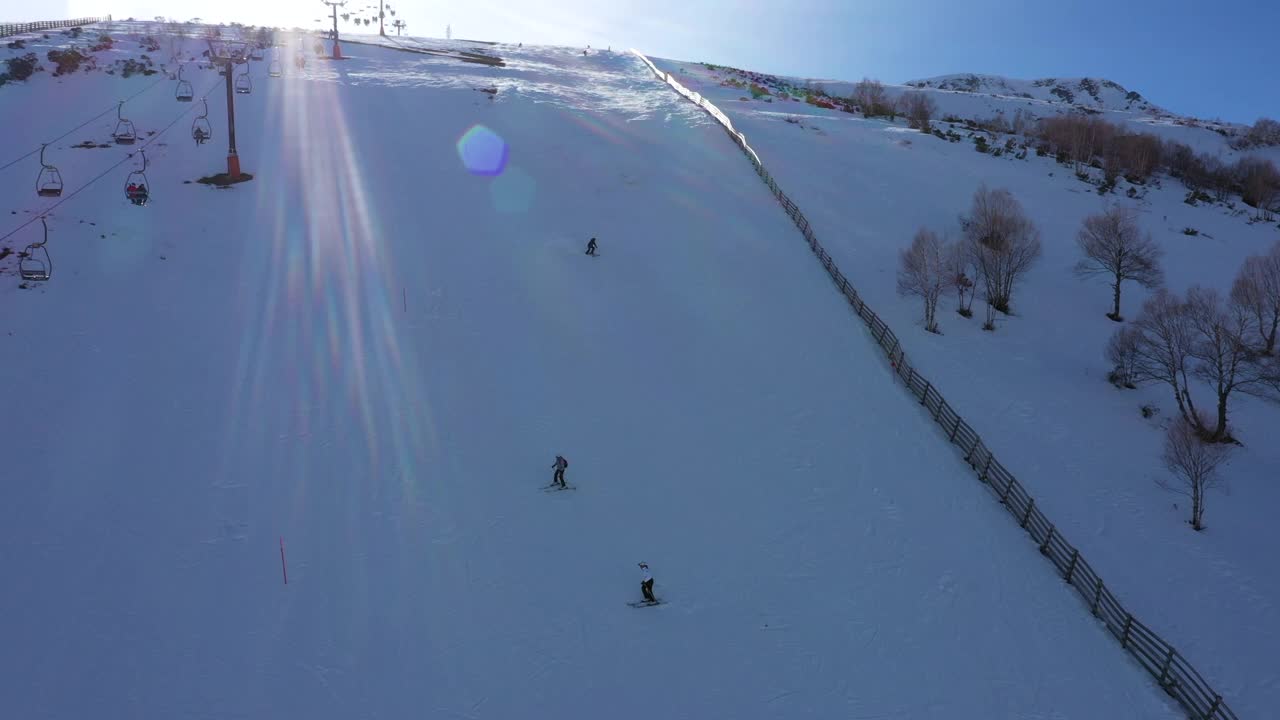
(1035,389)
(374,353)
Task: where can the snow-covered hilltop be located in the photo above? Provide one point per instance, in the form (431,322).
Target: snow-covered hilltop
(1091,93)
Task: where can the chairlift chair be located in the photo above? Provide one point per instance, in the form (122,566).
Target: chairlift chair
(274,69)
(184,92)
(136,187)
(244,85)
(256,54)
(124,133)
(49,181)
(35,263)
(201,130)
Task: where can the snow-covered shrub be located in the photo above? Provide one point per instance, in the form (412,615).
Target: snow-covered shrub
(67,61)
(919,109)
(21,67)
(104,43)
(1265,132)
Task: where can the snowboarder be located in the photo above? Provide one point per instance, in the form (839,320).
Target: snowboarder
(591,247)
(560,465)
(646,584)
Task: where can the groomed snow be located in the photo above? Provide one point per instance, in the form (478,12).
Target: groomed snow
(374,354)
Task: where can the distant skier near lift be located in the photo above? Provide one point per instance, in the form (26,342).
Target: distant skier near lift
(646,584)
(591,247)
(560,465)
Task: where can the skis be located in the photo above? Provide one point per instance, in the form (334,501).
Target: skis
(646,603)
(556,488)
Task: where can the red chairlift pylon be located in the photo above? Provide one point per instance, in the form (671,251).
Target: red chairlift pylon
(337,49)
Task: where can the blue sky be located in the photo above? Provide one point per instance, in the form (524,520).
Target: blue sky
(1197,58)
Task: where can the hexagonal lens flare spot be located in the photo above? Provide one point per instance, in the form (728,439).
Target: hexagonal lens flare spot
(483,151)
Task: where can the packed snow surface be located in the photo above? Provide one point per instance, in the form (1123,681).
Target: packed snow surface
(366,359)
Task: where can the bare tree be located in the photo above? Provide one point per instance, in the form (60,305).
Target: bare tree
(1163,352)
(1022,120)
(1257,290)
(1114,245)
(1002,243)
(1194,464)
(1222,356)
(869,95)
(958,270)
(1122,352)
(1259,183)
(919,109)
(923,272)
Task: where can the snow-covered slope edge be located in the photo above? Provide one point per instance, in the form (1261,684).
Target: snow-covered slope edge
(1156,655)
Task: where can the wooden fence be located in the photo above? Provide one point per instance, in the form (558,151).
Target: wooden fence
(1174,674)
(19,28)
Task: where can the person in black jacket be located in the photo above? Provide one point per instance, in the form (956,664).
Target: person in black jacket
(646,583)
(591,246)
(560,465)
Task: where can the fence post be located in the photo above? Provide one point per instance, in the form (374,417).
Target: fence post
(1124,637)
(925,395)
(1004,496)
(1164,671)
(986,468)
(1027,515)
(1213,709)
(1071,569)
(1044,546)
(955,428)
(1097,597)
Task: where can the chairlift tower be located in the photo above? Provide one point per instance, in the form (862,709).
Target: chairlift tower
(337,51)
(226,55)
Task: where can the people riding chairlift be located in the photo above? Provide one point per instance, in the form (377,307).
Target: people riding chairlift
(137,193)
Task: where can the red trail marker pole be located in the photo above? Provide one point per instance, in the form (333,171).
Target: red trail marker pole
(284,569)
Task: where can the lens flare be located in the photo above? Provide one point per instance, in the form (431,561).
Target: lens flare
(483,151)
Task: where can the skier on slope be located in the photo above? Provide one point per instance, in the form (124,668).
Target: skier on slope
(646,584)
(560,465)
(591,247)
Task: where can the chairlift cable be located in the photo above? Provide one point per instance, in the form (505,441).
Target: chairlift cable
(86,122)
(104,173)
